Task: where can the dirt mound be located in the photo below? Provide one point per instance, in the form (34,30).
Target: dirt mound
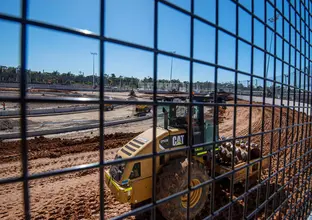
(41,147)
(9,89)
(50,90)
(132,93)
(6,125)
(132,98)
(291,133)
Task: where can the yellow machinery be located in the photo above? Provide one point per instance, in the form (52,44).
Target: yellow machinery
(131,182)
(108,107)
(142,108)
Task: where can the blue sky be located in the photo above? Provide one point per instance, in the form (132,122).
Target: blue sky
(132,21)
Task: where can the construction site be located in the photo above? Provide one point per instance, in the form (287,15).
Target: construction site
(157,109)
(76,195)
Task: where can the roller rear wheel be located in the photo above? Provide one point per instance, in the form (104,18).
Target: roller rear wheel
(173,179)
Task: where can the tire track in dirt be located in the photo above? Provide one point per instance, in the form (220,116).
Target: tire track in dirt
(70,196)
(42,164)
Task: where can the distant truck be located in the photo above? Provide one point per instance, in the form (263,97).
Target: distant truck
(108,106)
(143,108)
(222,96)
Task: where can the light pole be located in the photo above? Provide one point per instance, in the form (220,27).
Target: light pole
(93,54)
(286,76)
(171,70)
(120,82)
(272,19)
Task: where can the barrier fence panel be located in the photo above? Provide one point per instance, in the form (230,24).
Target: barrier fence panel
(223,89)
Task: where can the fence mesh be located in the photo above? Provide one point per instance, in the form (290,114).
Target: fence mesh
(273,93)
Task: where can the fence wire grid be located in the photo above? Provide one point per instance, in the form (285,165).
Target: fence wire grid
(290,177)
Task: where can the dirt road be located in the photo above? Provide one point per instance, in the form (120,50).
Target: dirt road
(76,195)
(72,196)
(39,123)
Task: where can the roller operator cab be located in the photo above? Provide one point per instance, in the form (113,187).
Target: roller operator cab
(132,181)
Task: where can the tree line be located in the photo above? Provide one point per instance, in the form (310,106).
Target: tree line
(12,75)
